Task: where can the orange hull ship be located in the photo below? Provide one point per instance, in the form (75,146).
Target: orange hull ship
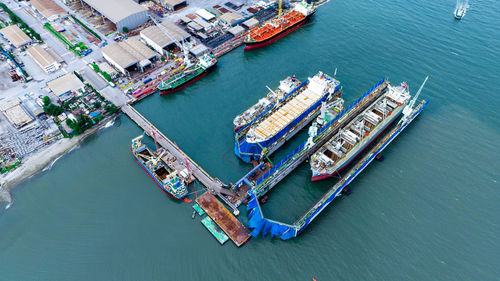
(274,30)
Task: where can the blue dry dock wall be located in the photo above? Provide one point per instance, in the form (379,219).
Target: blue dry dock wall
(246,151)
(323,202)
(350,106)
(265,226)
(302,145)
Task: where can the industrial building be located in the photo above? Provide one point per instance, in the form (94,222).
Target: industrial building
(122,13)
(15,36)
(156,37)
(43,59)
(251,23)
(49,9)
(230,18)
(129,55)
(199,50)
(64,86)
(15,113)
(174,5)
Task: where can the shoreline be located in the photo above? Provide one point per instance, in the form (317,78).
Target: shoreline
(42,159)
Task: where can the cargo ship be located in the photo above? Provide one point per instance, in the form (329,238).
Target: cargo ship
(265,104)
(166,177)
(358,134)
(280,26)
(298,108)
(205,63)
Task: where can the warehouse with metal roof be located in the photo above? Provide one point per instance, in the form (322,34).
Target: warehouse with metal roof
(63,86)
(129,55)
(43,59)
(16,115)
(174,5)
(49,9)
(123,13)
(15,36)
(156,38)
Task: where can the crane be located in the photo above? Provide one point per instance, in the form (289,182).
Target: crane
(409,107)
(182,45)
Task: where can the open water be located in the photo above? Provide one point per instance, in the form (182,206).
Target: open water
(430,211)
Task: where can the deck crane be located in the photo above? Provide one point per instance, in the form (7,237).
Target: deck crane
(182,45)
(409,107)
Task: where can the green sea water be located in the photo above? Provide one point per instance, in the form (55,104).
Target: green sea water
(428,212)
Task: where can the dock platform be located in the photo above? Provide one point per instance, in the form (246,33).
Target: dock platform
(236,231)
(213,228)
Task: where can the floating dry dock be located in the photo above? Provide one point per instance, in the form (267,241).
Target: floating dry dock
(236,231)
(263,177)
(264,226)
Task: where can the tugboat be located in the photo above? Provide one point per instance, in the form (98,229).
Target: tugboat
(166,177)
(205,63)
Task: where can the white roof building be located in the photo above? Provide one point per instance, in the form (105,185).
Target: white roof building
(64,85)
(43,59)
(206,15)
(123,13)
(156,38)
(15,36)
(128,54)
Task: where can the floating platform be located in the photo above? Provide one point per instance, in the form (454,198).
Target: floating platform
(215,230)
(238,233)
(199,210)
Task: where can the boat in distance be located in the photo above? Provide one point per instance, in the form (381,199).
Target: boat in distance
(279,27)
(460,10)
(265,104)
(165,176)
(205,63)
(357,135)
(295,110)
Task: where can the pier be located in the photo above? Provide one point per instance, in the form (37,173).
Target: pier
(180,159)
(233,228)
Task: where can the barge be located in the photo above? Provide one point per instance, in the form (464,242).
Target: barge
(298,108)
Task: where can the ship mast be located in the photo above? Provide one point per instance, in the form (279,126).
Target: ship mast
(279,9)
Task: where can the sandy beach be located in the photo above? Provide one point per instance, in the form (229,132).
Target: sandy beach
(41,159)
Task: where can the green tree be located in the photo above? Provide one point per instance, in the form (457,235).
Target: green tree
(46,101)
(97,105)
(125,29)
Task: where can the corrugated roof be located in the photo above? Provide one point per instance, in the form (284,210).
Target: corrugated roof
(155,34)
(41,56)
(230,17)
(65,83)
(128,52)
(205,14)
(173,2)
(116,10)
(15,35)
(48,8)
(118,55)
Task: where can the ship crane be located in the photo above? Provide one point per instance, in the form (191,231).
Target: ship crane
(182,45)
(409,107)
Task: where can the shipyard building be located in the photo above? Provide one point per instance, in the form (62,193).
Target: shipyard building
(122,13)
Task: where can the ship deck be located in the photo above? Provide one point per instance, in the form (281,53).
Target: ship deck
(238,233)
(286,114)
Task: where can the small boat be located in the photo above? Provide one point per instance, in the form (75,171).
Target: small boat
(460,10)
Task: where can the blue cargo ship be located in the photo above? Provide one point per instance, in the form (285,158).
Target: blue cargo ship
(298,108)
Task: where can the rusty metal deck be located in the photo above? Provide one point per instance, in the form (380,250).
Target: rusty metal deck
(236,231)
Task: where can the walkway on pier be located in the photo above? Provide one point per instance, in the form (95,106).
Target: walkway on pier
(214,185)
